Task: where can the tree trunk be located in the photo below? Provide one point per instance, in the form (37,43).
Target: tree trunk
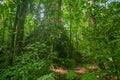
(20,27)
(14,29)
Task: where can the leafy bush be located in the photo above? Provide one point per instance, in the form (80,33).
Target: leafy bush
(47,77)
(89,76)
(27,67)
(70,75)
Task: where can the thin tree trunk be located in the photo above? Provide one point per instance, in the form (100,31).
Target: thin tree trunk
(20,27)
(70,45)
(14,29)
(3,30)
(14,34)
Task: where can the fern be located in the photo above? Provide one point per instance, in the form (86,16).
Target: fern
(50,76)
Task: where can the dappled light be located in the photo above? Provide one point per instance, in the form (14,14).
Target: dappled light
(59,39)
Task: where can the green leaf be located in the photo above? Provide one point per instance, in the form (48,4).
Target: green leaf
(70,75)
(89,76)
(31,22)
(28,17)
(47,1)
(47,77)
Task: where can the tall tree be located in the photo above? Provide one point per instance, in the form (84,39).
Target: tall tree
(20,26)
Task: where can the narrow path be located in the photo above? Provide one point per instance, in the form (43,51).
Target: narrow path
(81,71)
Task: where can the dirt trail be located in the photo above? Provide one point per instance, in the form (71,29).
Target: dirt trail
(77,70)
(80,71)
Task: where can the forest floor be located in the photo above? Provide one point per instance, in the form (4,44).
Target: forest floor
(79,71)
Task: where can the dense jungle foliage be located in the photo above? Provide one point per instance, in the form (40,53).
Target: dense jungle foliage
(59,39)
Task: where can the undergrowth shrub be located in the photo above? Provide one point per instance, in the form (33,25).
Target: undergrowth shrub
(89,76)
(70,75)
(27,67)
